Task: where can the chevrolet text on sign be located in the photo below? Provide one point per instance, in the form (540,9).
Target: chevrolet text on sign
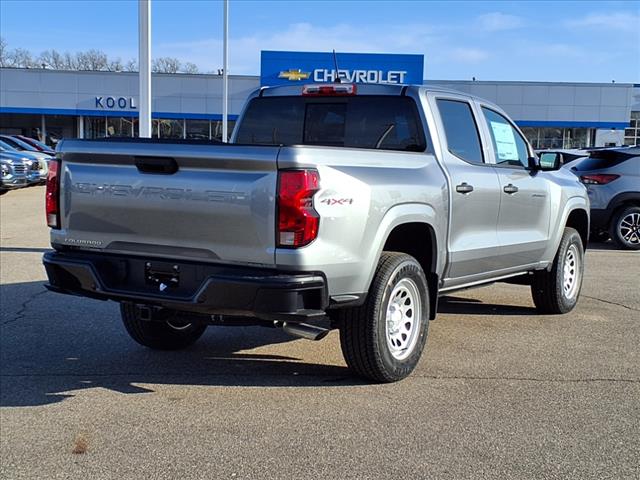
(290,68)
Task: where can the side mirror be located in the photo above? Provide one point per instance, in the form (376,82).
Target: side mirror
(533,164)
(550,161)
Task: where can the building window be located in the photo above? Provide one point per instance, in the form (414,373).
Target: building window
(198,129)
(95,127)
(542,138)
(216,129)
(632,134)
(576,137)
(532,135)
(170,128)
(119,127)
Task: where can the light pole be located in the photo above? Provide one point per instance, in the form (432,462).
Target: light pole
(144,61)
(225,70)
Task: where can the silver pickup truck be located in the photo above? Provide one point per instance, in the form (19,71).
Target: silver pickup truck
(335,206)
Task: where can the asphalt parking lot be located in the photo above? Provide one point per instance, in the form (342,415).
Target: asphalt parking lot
(500,393)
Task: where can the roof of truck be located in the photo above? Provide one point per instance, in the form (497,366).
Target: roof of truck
(362,89)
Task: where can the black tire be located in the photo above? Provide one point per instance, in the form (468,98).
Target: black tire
(625,228)
(364,336)
(160,335)
(548,286)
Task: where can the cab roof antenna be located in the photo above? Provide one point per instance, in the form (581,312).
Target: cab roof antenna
(335,62)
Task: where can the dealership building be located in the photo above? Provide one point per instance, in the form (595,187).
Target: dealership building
(55,104)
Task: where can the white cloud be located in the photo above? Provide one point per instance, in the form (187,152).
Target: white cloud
(435,43)
(625,21)
(469,55)
(496,21)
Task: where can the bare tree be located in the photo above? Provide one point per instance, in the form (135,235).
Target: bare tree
(115,65)
(85,60)
(70,61)
(52,59)
(4,52)
(189,67)
(92,60)
(165,65)
(22,58)
(131,65)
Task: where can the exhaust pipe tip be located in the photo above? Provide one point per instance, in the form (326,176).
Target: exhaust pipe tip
(306,331)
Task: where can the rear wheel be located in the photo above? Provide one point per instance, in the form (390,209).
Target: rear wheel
(557,290)
(383,339)
(625,228)
(171,333)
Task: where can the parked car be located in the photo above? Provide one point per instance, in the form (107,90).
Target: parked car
(13,173)
(41,147)
(41,163)
(354,204)
(612,178)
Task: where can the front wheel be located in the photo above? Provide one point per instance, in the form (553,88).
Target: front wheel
(171,333)
(383,339)
(557,290)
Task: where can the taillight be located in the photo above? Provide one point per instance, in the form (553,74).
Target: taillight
(329,90)
(52,202)
(297,219)
(598,178)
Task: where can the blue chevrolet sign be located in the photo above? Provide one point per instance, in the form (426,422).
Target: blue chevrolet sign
(289,68)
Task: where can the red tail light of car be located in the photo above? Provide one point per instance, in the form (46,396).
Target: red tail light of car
(598,178)
(297,219)
(52,196)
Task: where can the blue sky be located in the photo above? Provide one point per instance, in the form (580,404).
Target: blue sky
(590,41)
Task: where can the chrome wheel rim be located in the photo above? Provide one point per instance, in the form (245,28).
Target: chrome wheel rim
(402,321)
(571,273)
(629,228)
(178,325)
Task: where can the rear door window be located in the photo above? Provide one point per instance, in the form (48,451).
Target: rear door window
(367,121)
(604,159)
(461,130)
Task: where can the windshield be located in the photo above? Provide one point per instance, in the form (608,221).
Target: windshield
(6,147)
(19,144)
(34,142)
(370,121)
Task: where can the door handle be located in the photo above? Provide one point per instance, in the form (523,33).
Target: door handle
(464,187)
(510,189)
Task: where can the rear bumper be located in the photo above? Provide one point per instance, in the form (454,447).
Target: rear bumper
(202,288)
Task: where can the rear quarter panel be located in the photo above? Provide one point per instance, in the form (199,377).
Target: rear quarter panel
(363,195)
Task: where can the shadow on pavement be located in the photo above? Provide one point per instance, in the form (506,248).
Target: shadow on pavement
(52,345)
(472,306)
(608,245)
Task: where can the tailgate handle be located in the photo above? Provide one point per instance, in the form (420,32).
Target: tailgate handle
(156,165)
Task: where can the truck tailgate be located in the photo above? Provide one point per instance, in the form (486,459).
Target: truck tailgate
(178,200)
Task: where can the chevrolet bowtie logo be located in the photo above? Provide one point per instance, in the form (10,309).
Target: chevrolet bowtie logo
(294,74)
